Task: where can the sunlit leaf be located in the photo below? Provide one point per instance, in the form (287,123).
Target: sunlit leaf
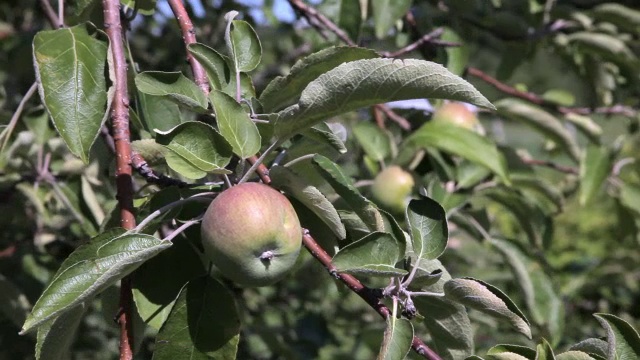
(488,299)
(235,125)
(361,83)
(594,169)
(174,86)
(623,339)
(90,269)
(397,339)
(428,225)
(56,336)
(70,69)
(374,255)
(386,13)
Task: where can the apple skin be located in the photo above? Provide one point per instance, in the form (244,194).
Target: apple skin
(251,234)
(391,187)
(458,114)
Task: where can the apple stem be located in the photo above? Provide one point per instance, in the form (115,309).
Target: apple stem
(155,214)
(182,228)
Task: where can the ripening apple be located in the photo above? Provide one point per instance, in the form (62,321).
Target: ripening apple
(251,234)
(391,187)
(458,114)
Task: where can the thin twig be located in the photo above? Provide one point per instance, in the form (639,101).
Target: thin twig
(189,37)
(61,12)
(152,177)
(257,163)
(6,133)
(51,15)
(393,116)
(317,19)
(122,141)
(261,170)
(430,38)
(364,292)
(538,100)
(552,165)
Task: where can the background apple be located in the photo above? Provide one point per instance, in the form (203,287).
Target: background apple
(252,234)
(460,115)
(391,187)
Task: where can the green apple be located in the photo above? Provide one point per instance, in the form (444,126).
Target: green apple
(391,187)
(458,114)
(251,234)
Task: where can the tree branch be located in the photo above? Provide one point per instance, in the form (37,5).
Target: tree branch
(318,20)
(364,292)
(51,15)
(430,38)
(122,138)
(189,37)
(538,100)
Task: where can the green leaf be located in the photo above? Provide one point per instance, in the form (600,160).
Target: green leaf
(152,152)
(622,16)
(508,351)
(323,133)
(144,7)
(374,255)
(157,283)
(531,218)
(586,125)
(541,121)
(457,141)
(481,296)
(367,82)
(594,169)
(608,47)
(235,125)
(14,304)
(214,63)
(285,90)
(630,197)
(560,97)
(90,269)
(398,336)
(623,339)
(158,112)
(544,351)
(199,145)
(595,347)
(345,14)
(574,355)
(428,225)
(366,210)
(174,86)
(544,304)
(386,13)
(447,321)
(243,45)
(70,69)
(184,167)
(203,324)
(56,336)
(375,142)
(457,56)
(286,180)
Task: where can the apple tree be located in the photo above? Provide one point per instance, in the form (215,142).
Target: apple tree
(332,179)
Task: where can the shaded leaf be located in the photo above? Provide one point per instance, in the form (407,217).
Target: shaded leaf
(398,336)
(541,121)
(623,339)
(488,299)
(157,283)
(592,346)
(235,125)
(361,83)
(508,351)
(343,185)
(158,112)
(622,16)
(574,355)
(630,197)
(174,86)
(446,320)
(284,179)
(90,269)
(544,304)
(203,324)
(198,144)
(56,336)
(428,225)
(345,14)
(374,255)
(214,63)
(457,141)
(14,304)
(544,351)
(594,169)
(325,134)
(70,68)
(375,142)
(386,13)
(285,90)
